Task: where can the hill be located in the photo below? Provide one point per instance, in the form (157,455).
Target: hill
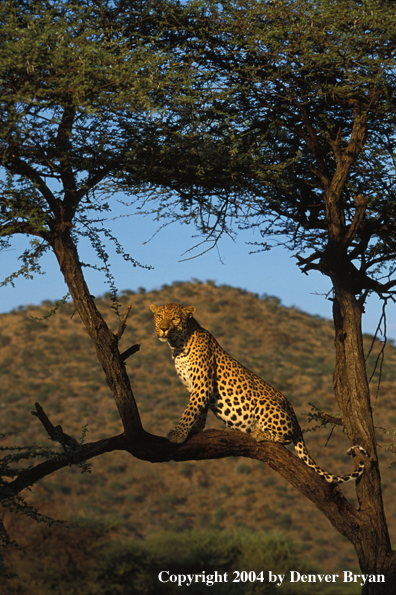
(53,362)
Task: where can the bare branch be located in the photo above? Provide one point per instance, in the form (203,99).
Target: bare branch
(331,419)
(54,432)
(122,326)
(134,349)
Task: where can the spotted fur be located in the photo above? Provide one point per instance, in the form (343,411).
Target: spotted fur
(237,396)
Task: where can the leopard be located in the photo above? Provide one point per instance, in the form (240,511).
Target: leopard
(238,397)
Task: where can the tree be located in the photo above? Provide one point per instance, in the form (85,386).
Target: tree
(76,95)
(298,97)
(273,116)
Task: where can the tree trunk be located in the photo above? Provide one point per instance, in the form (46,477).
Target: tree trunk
(105,341)
(371,539)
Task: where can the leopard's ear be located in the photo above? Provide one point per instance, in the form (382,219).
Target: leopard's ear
(154,308)
(190,310)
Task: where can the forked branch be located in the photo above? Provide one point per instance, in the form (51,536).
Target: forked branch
(54,432)
(210,444)
(123,323)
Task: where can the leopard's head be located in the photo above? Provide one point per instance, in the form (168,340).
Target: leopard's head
(171,321)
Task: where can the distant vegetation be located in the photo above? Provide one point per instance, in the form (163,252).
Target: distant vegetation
(89,561)
(127,507)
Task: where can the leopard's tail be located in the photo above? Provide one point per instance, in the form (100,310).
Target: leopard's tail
(304,455)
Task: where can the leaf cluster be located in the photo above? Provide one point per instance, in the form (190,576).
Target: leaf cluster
(292,103)
(80,83)
(228,115)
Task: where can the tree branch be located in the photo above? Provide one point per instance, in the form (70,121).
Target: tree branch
(105,341)
(63,146)
(22,228)
(123,322)
(361,205)
(124,356)
(84,453)
(24,169)
(331,419)
(54,432)
(210,444)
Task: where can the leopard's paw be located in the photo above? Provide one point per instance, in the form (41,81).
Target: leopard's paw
(258,435)
(176,436)
(195,430)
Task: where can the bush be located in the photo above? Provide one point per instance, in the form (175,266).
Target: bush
(89,560)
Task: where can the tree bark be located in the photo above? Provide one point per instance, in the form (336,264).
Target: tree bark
(352,392)
(106,343)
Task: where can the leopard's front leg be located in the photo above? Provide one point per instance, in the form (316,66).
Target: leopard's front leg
(193,421)
(200,423)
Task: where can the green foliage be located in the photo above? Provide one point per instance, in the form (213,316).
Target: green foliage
(54,308)
(307,116)
(82,560)
(80,84)
(131,97)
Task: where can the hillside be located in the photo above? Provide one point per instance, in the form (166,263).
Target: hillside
(53,362)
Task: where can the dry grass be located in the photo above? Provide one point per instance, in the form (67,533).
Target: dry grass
(53,362)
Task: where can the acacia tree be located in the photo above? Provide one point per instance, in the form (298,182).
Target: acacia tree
(273,116)
(298,98)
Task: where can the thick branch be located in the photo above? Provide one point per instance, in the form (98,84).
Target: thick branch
(106,343)
(211,444)
(335,214)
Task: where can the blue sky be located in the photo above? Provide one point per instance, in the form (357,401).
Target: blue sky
(273,273)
